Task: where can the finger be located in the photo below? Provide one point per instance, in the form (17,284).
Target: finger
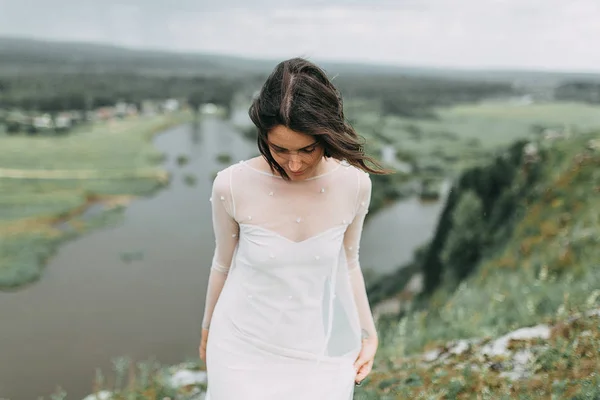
(360,361)
(362,375)
(364,371)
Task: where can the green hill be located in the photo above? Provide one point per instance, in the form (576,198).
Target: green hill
(36,55)
(517,245)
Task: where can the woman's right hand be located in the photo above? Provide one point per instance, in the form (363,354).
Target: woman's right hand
(203,341)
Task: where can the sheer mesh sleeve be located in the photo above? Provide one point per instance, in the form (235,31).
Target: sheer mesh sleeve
(226,232)
(352,244)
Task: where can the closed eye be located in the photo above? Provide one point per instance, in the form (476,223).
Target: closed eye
(307,150)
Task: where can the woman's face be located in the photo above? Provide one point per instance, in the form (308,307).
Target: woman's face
(297,153)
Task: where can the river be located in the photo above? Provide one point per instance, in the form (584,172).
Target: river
(92,304)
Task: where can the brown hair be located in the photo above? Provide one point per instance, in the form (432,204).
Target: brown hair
(299,96)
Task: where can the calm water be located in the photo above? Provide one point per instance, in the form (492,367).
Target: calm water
(91,306)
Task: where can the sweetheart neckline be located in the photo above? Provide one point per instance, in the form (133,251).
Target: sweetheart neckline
(293,241)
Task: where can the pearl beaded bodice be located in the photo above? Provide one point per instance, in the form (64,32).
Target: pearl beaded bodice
(288,252)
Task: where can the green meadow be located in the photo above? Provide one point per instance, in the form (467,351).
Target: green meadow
(464,135)
(47,182)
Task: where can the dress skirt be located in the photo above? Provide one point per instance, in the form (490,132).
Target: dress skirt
(241,370)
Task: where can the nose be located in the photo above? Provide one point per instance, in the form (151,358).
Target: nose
(295,164)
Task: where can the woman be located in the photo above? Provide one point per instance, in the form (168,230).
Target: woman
(292,320)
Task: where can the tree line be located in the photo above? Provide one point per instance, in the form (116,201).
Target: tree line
(588,92)
(59,91)
(86,91)
(412,96)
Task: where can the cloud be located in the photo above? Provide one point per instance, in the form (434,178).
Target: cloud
(462,33)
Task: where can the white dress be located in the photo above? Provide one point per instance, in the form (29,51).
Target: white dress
(286,300)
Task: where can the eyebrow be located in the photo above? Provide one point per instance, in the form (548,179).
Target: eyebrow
(304,148)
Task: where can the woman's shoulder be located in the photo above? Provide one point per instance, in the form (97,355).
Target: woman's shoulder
(356,174)
(230,169)
(222,178)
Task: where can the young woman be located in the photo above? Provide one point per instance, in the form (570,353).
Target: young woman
(292,320)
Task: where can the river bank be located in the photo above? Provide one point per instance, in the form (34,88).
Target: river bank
(52,188)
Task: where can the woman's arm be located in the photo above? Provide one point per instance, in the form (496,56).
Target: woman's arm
(351,244)
(226,231)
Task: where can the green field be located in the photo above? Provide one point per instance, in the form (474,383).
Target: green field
(45,181)
(467,134)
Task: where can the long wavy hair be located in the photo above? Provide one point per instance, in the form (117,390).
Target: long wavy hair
(299,95)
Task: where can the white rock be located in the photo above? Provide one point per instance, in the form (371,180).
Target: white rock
(594,144)
(459,347)
(530,149)
(593,313)
(186,377)
(511,375)
(499,346)
(101,395)
(522,357)
(432,355)
(415,284)
(520,366)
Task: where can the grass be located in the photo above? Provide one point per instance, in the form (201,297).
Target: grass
(561,367)
(141,380)
(47,183)
(466,135)
(546,272)
(564,366)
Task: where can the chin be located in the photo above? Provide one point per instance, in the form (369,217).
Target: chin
(296,177)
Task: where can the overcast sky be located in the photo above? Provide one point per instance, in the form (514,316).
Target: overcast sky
(546,34)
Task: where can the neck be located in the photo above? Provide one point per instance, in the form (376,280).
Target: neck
(320,168)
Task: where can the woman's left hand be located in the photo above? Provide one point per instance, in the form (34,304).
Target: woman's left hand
(364,361)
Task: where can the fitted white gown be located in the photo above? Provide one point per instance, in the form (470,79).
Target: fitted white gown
(286,300)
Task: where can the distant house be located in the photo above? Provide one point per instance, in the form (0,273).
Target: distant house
(63,121)
(123,109)
(208,108)
(120,109)
(149,108)
(171,105)
(43,122)
(104,113)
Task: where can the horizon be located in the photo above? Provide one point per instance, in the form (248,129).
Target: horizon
(356,62)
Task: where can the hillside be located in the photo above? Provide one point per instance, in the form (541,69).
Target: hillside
(20,55)
(517,246)
(36,55)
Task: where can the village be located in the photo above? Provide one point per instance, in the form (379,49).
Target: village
(28,122)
